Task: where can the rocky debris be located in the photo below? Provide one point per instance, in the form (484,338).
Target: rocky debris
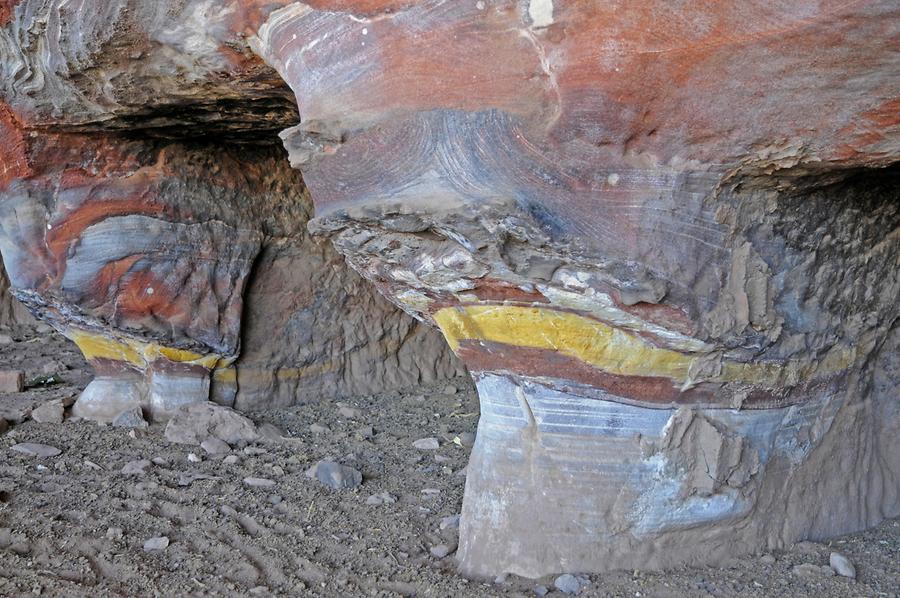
(12,381)
(194,458)
(842,565)
(382,498)
(451,522)
(568,584)
(541,591)
(365,433)
(192,424)
(6,339)
(136,468)
(214,446)
(156,543)
(440,551)
(131,418)
(4,425)
(334,475)
(259,482)
(50,412)
(231,459)
(33,449)
(427,444)
(767,559)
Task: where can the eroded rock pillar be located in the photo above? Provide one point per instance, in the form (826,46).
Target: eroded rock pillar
(117,246)
(655,259)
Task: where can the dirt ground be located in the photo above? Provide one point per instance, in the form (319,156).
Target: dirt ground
(75,525)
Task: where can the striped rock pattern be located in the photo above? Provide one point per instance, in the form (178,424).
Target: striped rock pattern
(663,238)
(143,198)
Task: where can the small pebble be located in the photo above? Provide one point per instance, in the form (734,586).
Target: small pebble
(51,412)
(158,543)
(259,482)
(214,446)
(767,559)
(231,459)
(136,467)
(427,444)
(335,475)
(194,458)
(441,550)
(567,584)
(34,449)
(541,591)
(383,498)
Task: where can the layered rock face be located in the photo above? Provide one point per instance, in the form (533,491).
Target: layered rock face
(144,201)
(664,240)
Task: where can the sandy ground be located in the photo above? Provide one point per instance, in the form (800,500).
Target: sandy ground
(75,525)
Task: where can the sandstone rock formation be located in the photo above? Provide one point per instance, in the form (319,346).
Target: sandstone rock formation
(145,198)
(663,238)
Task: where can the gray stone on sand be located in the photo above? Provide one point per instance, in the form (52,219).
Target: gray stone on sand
(157,543)
(136,467)
(441,550)
(427,444)
(259,482)
(842,565)
(383,498)
(214,446)
(192,424)
(334,475)
(567,584)
(34,449)
(50,412)
(451,522)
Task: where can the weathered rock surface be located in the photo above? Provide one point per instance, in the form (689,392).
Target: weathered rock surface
(663,238)
(149,216)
